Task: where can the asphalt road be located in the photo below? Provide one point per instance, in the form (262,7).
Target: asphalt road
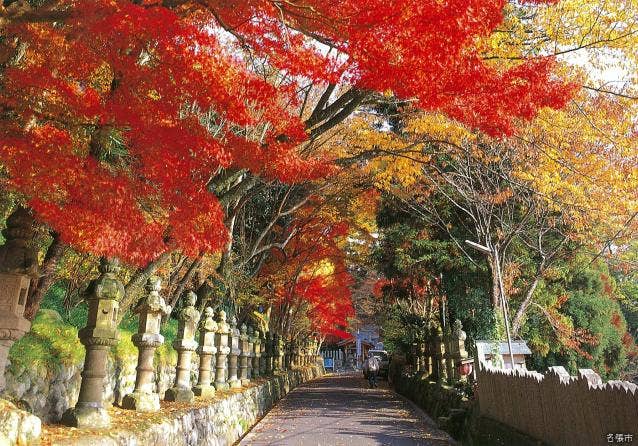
(342,410)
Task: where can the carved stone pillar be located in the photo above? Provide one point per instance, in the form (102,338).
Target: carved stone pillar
(257,345)
(185,345)
(206,351)
(262,359)
(251,353)
(306,352)
(429,353)
(313,352)
(288,359)
(449,354)
(221,359)
(441,355)
(233,340)
(243,356)
(421,348)
(296,353)
(278,353)
(99,335)
(268,354)
(459,337)
(18,266)
(147,339)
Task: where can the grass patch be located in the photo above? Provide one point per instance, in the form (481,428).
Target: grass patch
(53,300)
(51,343)
(53,339)
(165,353)
(124,350)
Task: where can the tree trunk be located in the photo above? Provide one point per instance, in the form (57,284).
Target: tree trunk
(45,280)
(494,271)
(518,319)
(186,279)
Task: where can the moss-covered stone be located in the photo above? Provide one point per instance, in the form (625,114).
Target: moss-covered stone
(446,404)
(51,343)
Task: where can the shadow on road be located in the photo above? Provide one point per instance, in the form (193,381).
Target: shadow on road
(342,410)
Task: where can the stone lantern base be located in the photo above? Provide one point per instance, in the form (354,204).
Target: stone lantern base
(221,386)
(141,402)
(180,394)
(205,392)
(86,416)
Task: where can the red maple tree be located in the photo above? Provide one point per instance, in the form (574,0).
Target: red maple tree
(310,278)
(117,115)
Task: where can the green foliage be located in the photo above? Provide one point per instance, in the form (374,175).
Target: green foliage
(417,247)
(592,306)
(469,302)
(54,300)
(402,328)
(628,287)
(124,350)
(53,339)
(165,353)
(50,343)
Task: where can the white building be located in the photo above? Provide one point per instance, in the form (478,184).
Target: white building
(496,354)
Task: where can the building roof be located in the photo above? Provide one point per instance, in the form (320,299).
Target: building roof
(519,347)
(354,341)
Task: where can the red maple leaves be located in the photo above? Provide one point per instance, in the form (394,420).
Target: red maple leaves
(106,131)
(311,276)
(117,118)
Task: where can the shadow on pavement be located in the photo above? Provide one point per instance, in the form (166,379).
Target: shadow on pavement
(342,410)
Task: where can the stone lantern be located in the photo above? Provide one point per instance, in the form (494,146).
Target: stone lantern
(262,359)
(421,361)
(99,335)
(461,360)
(429,352)
(147,339)
(221,345)
(305,352)
(233,340)
(287,355)
(440,354)
(251,352)
(257,346)
(296,353)
(185,345)
(243,356)
(278,353)
(267,355)
(18,266)
(206,351)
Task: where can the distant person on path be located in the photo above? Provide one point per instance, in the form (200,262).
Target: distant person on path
(371,369)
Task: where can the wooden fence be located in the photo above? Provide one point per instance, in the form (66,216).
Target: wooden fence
(560,409)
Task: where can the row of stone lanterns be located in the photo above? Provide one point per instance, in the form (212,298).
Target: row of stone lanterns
(442,356)
(229,357)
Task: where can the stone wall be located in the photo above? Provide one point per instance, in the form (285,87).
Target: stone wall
(221,421)
(557,408)
(48,393)
(445,404)
(17,426)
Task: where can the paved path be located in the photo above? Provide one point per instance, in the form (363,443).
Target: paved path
(340,410)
